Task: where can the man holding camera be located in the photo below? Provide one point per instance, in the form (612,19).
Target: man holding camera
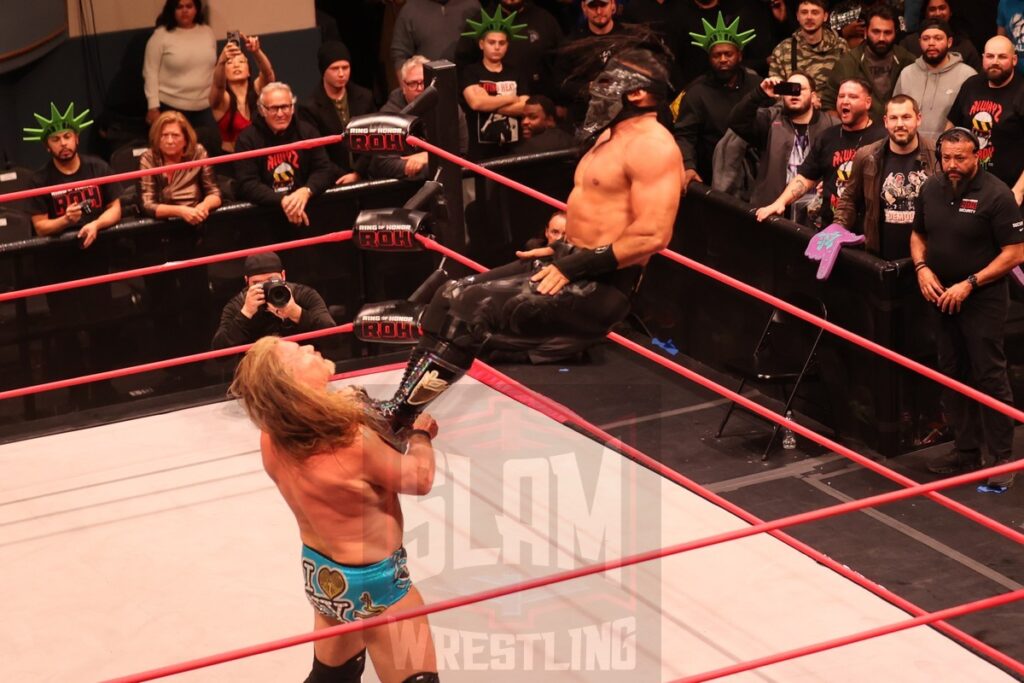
(269,305)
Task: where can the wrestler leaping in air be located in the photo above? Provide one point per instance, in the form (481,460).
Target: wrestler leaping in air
(621,211)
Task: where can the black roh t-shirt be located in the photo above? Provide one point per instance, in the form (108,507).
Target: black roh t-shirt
(965,232)
(830,160)
(996,115)
(98,197)
(902,178)
(491,133)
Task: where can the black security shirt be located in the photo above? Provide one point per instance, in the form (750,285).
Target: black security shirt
(996,115)
(830,160)
(965,232)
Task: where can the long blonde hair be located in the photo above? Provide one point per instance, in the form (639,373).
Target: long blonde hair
(299,419)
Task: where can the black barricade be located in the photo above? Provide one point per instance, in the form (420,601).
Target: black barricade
(855,392)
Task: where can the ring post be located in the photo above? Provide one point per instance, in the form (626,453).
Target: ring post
(452,230)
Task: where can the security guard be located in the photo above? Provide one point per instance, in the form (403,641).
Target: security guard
(968,234)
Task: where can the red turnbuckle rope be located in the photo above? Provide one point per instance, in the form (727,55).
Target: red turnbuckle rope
(486,172)
(560,577)
(863,342)
(161,364)
(339,236)
(434,245)
(878,468)
(949,613)
(184,165)
(515,390)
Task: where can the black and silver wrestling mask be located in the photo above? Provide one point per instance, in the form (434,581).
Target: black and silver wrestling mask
(608,97)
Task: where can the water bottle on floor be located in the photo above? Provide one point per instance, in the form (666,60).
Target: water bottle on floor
(788,438)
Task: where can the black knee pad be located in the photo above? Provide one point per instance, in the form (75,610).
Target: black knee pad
(423,677)
(349,672)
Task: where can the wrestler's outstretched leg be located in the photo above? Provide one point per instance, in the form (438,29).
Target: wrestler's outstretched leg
(402,649)
(454,332)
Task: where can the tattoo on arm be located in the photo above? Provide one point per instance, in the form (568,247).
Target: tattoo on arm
(796,189)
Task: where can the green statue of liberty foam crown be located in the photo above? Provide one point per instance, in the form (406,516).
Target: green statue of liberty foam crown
(495,23)
(720,33)
(56,123)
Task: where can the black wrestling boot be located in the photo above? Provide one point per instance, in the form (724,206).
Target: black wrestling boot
(434,365)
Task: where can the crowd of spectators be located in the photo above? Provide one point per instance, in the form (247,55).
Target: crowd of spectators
(839,64)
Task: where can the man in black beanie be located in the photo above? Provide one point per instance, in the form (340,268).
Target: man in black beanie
(334,101)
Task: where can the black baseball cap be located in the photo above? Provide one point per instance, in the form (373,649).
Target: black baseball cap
(258,264)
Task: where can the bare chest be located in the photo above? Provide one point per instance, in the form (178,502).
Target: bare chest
(602,170)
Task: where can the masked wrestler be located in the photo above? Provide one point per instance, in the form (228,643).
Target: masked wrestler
(568,295)
(342,482)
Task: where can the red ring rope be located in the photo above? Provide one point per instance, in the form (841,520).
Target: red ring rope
(949,613)
(556,411)
(339,236)
(757,408)
(182,166)
(863,342)
(161,364)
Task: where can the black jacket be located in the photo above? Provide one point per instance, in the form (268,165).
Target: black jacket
(318,111)
(704,115)
(264,180)
(235,329)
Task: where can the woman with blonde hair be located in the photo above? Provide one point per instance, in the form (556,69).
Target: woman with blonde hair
(234,92)
(341,481)
(190,195)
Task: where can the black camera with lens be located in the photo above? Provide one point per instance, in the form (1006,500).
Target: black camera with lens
(276,293)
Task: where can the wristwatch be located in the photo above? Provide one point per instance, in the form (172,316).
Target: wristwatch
(972,280)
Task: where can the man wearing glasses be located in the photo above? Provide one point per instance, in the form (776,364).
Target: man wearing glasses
(286,179)
(413,166)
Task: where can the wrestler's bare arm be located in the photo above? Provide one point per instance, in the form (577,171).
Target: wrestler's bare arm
(410,473)
(654,167)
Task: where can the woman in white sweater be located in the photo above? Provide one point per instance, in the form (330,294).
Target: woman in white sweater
(178,69)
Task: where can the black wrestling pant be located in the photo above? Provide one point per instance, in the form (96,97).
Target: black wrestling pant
(970,349)
(501,309)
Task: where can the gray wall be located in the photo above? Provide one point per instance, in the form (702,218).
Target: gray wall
(104,73)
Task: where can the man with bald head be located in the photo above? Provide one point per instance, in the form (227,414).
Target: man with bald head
(992,105)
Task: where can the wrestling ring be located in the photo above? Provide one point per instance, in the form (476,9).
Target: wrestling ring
(548,547)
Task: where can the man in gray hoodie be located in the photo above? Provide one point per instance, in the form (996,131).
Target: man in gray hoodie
(934,79)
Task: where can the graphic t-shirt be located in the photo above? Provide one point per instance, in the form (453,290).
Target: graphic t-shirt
(282,167)
(996,115)
(902,178)
(490,133)
(831,160)
(97,197)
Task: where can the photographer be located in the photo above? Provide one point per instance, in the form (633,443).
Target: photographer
(261,308)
